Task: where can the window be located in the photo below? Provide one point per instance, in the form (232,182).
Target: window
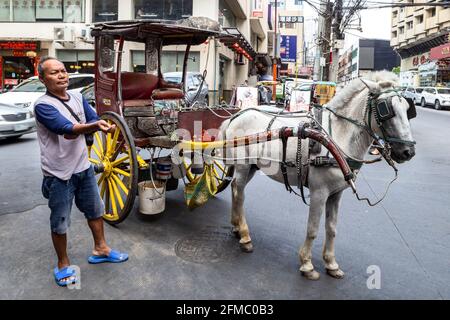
(409,25)
(419,19)
(401,30)
(24,10)
(79,82)
(431,12)
(394,14)
(226,16)
(73,11)
(105,10)
(163,9)
(42,10)
(82,61)
(49,10)
(5,9)
(34,85)
(394,34)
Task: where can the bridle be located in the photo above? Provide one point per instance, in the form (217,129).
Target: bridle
(381,110)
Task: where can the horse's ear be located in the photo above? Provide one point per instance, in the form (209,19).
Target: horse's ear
(372,85)
(386,84)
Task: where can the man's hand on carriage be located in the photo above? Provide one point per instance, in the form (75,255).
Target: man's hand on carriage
(105,126)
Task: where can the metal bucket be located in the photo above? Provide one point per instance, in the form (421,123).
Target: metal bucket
(151,200)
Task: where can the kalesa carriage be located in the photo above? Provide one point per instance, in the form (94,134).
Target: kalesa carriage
(148,111)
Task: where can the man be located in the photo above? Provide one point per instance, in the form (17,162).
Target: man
(68,175)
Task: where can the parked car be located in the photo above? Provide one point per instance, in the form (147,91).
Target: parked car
(15,121)
(192,85)
(26,93)
(89,94)
(437,97)
(413,93)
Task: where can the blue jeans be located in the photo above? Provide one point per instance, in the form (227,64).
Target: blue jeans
(60,194)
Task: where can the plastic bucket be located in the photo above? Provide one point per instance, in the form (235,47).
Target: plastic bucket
(163,168)
(151,200)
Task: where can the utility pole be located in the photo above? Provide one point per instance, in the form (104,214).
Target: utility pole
(275,58)
(338,35)
(326,39)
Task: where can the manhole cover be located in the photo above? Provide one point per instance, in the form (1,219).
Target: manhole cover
(208,246)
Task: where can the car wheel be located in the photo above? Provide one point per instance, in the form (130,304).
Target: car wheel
(422,103)
(437,105)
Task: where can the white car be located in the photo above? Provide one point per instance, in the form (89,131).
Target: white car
(437,97)
(26,93)
(15,122)
(413,93)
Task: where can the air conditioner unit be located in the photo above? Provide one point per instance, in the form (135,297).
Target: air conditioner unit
(63,34)
(84,33)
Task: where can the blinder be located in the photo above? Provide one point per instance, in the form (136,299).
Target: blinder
(412,112)
(384,110)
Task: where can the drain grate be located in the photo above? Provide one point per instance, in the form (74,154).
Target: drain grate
(210,245)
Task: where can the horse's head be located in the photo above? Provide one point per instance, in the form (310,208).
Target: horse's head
(389,117)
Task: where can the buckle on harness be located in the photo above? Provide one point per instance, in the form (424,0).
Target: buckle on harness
(321,161)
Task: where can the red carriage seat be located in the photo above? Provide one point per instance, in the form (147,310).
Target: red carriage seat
(140,89)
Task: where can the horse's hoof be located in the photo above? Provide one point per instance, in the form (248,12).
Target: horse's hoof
(337,274)
(311,275)
(247,247)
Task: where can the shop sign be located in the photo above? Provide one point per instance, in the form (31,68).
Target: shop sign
(17,53)
(419,60)
(288,48)
(11,82)
(440,52)
(19,45)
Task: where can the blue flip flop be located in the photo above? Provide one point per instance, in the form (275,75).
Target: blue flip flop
(113,257)
(61,275)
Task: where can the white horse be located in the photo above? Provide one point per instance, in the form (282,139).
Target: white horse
(326,184)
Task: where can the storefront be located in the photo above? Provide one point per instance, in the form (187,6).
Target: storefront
(441,56)
(81,61)
(428,74)
(18,62)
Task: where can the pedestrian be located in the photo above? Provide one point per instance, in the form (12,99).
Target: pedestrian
(68,174)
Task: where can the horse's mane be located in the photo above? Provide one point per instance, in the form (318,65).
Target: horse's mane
(384,79)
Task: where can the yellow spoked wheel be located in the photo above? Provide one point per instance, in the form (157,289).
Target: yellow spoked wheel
(115,161)
(223,174)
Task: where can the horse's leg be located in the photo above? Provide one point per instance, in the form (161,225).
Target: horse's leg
(243,174)
(329,258)
(317,206)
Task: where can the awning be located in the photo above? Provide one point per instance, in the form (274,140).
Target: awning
(440,52)
(236,41)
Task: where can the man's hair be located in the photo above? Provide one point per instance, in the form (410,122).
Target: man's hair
(41,65)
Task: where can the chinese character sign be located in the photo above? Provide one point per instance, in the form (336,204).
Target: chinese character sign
(288,48)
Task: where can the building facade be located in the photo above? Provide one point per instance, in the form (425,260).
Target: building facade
(415,32)
(291,41)
(364,56)
(30,29)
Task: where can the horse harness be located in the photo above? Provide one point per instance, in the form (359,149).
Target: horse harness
(379,108)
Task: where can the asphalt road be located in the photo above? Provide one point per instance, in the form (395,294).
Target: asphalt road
(192,255)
